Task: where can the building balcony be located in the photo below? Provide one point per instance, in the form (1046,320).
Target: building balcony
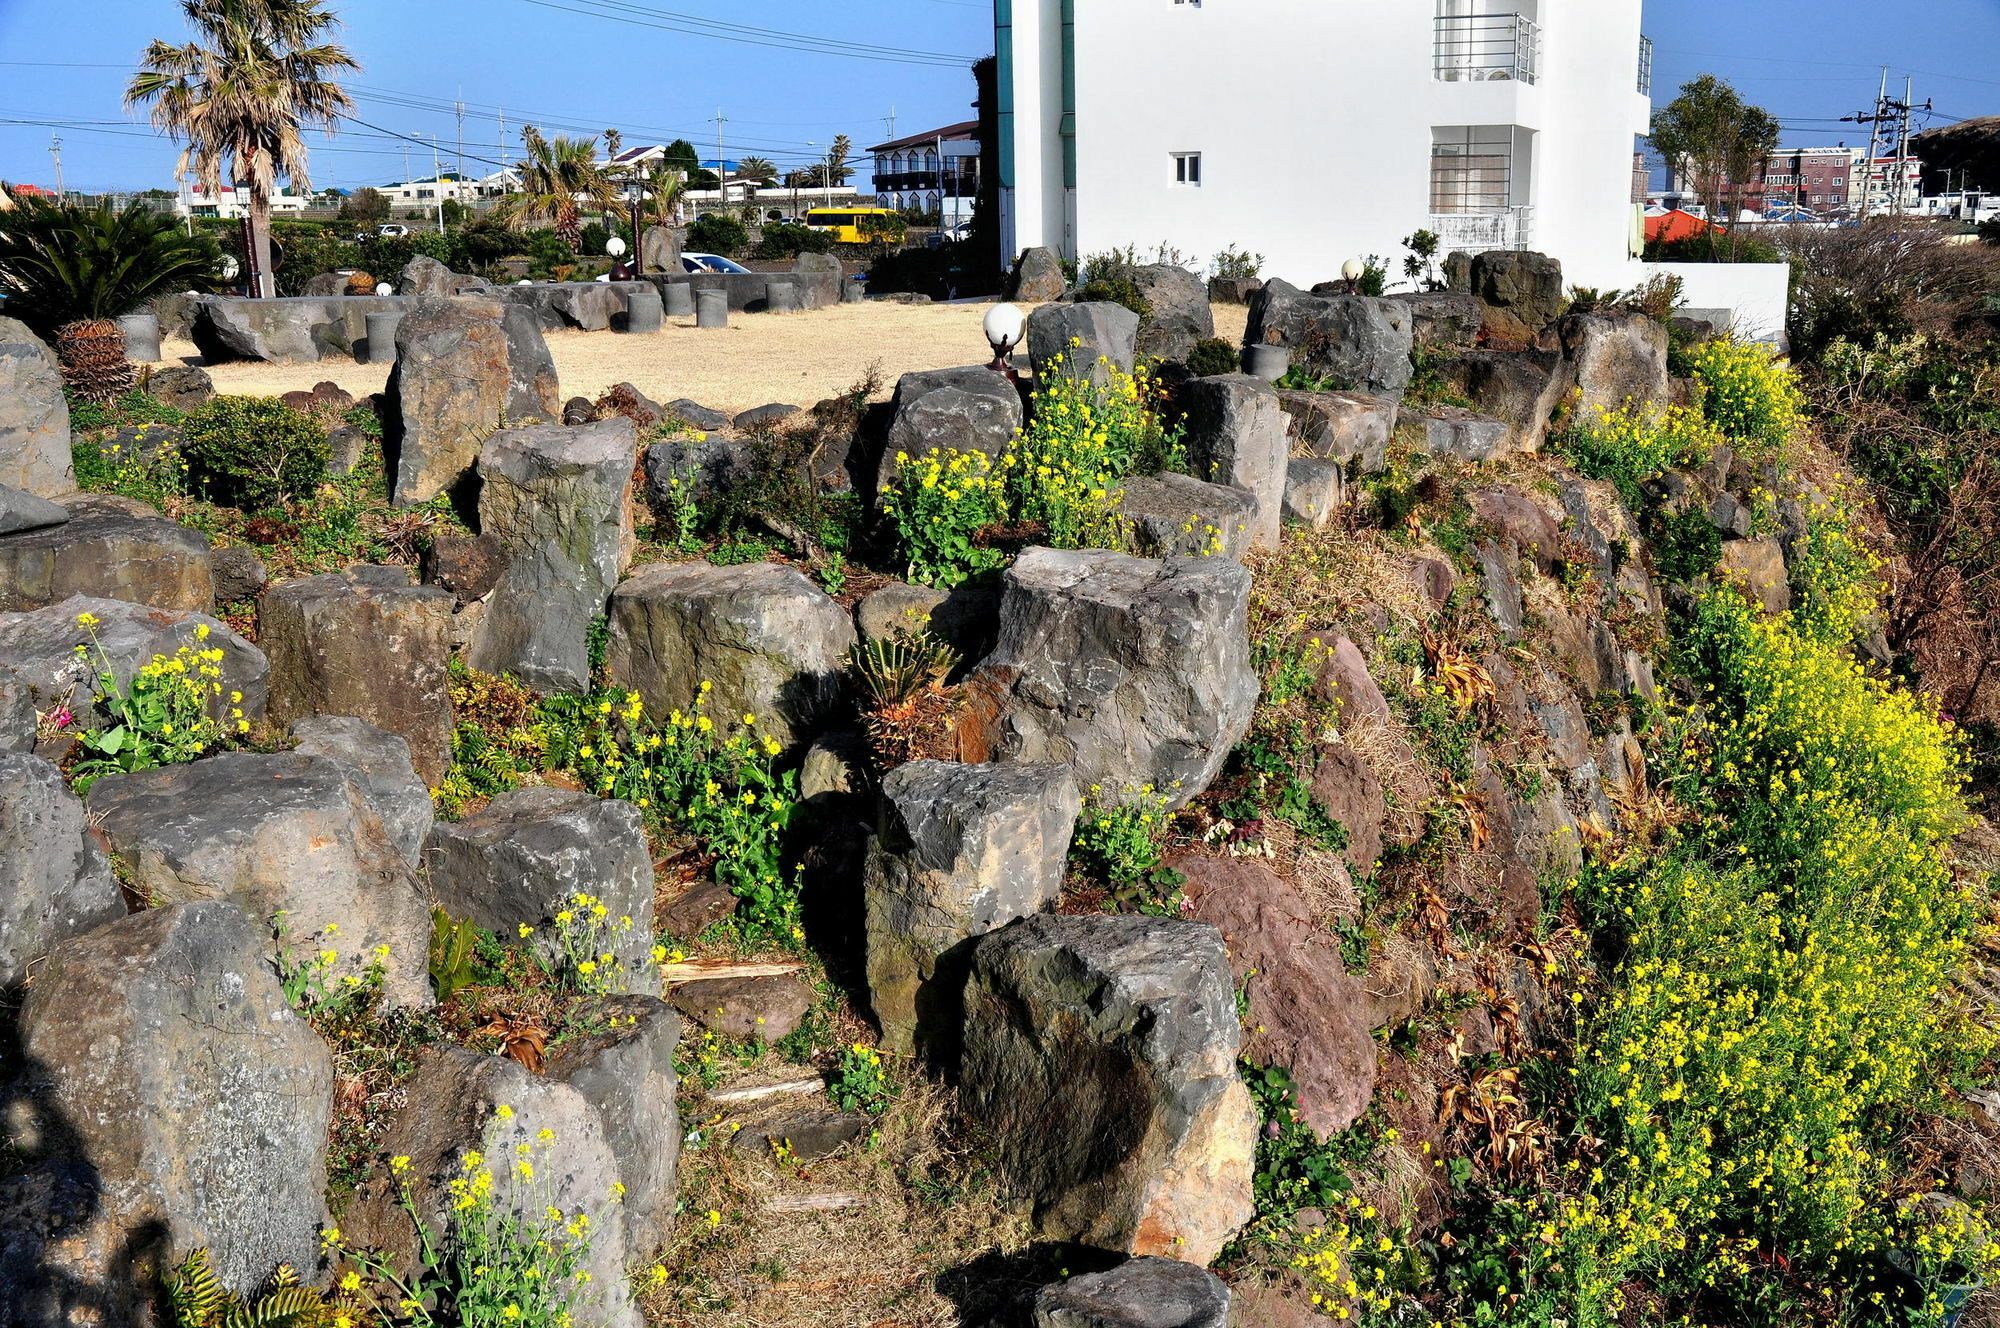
(1645,66)
(1486,48)
(1476,232)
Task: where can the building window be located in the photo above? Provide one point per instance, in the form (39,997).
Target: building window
(1187,169)
(1472,169)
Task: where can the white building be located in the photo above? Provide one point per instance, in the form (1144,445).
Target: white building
(450,188)
(1313,131)
(233,204)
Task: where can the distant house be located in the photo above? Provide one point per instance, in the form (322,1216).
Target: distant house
(935,171)
(230,203)
(1672,227)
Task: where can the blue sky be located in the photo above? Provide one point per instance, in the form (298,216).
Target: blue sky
(1811,61)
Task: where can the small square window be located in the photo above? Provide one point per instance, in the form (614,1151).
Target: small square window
(1187,168)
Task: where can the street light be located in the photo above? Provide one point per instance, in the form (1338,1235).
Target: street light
(635,194)
(1005,325)
(1354,270)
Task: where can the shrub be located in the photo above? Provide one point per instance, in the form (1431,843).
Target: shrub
(1835,577)
(1236,264)
(1749,394)
(939,503)
(1213,355)
(1634,444)
(717,233)
(789,240)
(252,452)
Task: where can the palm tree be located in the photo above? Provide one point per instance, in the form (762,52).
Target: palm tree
(665,186)
(559,178)
(757,170)
(837,168)
(240,95)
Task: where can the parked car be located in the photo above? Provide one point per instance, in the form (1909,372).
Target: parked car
(391,230)
(710,263)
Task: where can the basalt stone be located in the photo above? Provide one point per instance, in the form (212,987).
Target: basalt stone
(1443,320)
(1176,515)
(239,573)
(1528,285)
(19,719)
(454,1107)
(764,417)
(1523,388)
(962,618)
(555,498)
(365,642)
(698,415)
(1346,789)
(962,850)
(1346,427)
(1140,1293)
(524,857)
(767,640)
(40,649)
(469,566)
(1464,435)
(54,879)
(1129,670)
(659,250)
(579,306)
(1615,359)
(1077,340)
(624,1067)
(1757,566)
(170,1101)
(1306,1013)
(1360,341)
(1232,290)
(464,367)
(1039,276)
(424,275)
(806,1134)
(377,762)
(183,386)
(1314,491)
(21,510)
(111,549)
(1236,435)
(819,278)
(765,1008)
(706,469)
(290,330)
(1513,515)
(1100,1052)
(1180,314)
(963,410)
(292,841)
(34,415)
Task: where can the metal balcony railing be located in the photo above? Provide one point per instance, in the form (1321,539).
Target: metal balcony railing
(1478,48)
(1475,232)
(1645,66)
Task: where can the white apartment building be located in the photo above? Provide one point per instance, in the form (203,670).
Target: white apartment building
(1314,131)
(231,203)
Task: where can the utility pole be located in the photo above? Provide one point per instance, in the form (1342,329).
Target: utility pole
(892,124)
(55,150)
(721,177)
(1872,120)
(437,181)
(459,106)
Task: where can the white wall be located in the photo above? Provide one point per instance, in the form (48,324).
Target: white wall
(1756,296)
(1314,123)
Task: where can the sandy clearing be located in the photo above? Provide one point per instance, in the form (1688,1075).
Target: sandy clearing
(759,358)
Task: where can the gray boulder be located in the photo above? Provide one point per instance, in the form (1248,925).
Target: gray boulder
(1443,320)
(18,717)
(424,275)
(54,880)
(1314,491)
(1527,285)
(366,642)
(292,330)
(763,418)
(1039,277)
(21,510)
(967,410)
(464,367)
(1100,1051)
(1347,427)
(1522,388)
(819,279)
(707,469)
(524,857)
(555,499)
(1180,311)
(624,1067)
(1178,516)
(659,250)
(1757,567)
(182,386)
(286,835)
(962,850)
(580,306)
(1075,339)
(961,618)
(1360,341)
(1140,1293)
(1450,431)
(454,1102)
(1233,290)
(112,548)
(176,1103)
(34,415)
(1614,358)
(240,575)
(1130,670)
(770,642)
(378,763)
(40,649)
(1236,435)
(692,412)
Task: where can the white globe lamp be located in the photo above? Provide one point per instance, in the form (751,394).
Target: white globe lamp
(1005,326)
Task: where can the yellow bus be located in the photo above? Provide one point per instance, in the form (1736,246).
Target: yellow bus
(845,223)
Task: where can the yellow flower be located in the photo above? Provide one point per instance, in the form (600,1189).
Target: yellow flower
(87,620)
(504,1112)
(351,1282)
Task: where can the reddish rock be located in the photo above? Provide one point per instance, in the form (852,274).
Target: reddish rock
(1344,677)
(1345,787)
(765,1008)
(1306,1013)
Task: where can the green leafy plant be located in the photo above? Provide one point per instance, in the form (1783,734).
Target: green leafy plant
(1213,355)
(585,931)
(147,467)
(1635,444)
(717,233)
(1748,394)
(197,1299)
(939,504)
(1122,843)
(61,263)
(252,452)
(166,715)
(892,669)
(314,982)
(860,1082)
(454,953)
(1235,264)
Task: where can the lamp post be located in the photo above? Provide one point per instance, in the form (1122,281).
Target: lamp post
(1353,270)
(620,270)
(635,194)
(1005,326)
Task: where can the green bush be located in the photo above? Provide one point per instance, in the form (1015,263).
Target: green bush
(1749,394)
(1213,355)
(252,452)
(717,233)
(1634,444)
(784,240)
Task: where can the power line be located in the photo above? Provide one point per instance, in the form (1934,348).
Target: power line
(690,25)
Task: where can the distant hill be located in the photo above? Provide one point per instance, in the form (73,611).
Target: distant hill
(1970,147)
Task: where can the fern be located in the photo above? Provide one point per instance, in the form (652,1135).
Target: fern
(194,1293)
(199,1300)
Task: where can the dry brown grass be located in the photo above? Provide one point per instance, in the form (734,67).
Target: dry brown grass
(917,1203)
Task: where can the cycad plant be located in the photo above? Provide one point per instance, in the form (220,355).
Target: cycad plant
(68,270)
(559,179)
